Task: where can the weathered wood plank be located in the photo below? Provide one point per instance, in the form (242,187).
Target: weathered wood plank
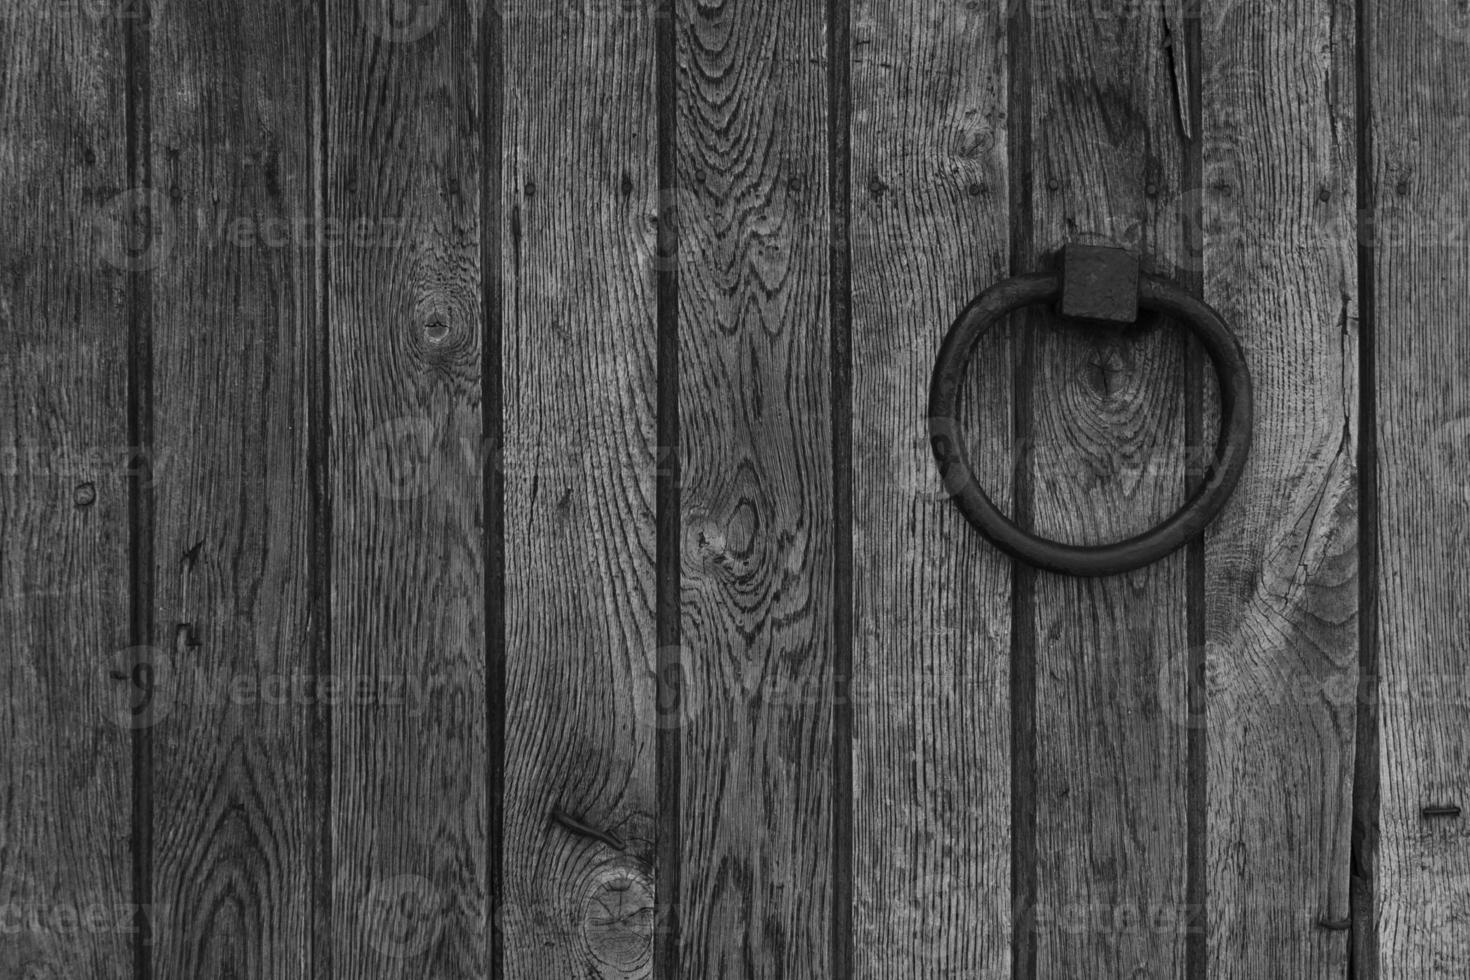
(234,324)
(409,819)
(755,466)
(71,228)
(1281,660)
(1108,461)
(580,199)
(1421,189)
(931,689)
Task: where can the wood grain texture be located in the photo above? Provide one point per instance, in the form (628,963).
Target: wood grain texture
(1107,462)
(931,690)
(64,770)
(757,515)
(580,199)
(1281,661)
(234,323)
(1421,189)
(410,825)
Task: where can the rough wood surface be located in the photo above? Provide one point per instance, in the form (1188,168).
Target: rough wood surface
(1281,659)
(1421,188)
(931,694)
(580,205)
(409,822)
(65,719)
(1108,462)
(234,321)
(755,463)
(304,209)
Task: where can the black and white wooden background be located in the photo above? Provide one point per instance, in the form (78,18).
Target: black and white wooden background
(467,509)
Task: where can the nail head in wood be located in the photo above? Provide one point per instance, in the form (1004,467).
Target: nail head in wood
(1099,283)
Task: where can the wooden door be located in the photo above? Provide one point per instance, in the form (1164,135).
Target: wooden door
(468,508)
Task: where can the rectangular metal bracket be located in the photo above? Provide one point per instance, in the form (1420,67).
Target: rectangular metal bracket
(1099,283)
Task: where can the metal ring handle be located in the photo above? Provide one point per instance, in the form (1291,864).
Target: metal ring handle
(992,307)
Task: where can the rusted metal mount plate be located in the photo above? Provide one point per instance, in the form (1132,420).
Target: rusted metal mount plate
(1099,283)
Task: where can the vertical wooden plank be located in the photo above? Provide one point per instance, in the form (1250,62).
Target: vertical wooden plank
(580,196)
(72,229)
(405,320)
(234,322)
(1277,232)
(756,475)
(1107,462)
(932,616)
(1421,193)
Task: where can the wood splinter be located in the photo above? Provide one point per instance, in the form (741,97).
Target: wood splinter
(572,824)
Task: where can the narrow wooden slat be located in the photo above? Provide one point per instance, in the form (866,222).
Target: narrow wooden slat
(70,233)
(1277,235)
(234,321)
(932,599)
(1420,181)
(580,199)
(409,824)
(756,470)
(1108,461)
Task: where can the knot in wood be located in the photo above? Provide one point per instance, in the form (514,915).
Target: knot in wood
(617,921)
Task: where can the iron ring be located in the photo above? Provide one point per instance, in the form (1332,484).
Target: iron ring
(1233,447)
